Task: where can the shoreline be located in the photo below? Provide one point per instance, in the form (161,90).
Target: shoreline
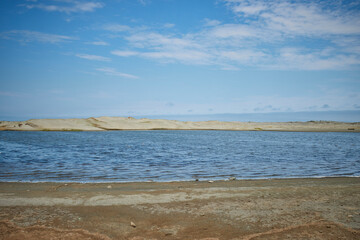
(169,129)
(323,208)
(144,124)
(181,181)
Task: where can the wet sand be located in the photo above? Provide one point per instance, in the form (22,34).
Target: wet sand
(122,123)
(327,208)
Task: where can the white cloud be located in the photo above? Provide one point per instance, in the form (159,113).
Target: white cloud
(166,48)
(232,47)
(99,43)
(299,17)
(144,2)
(116,27)
(300,59)
(33,36)
(67,6)
(159,41)
(232,31)
(114,72)
(124,53)
(93,57)
(186,56)
(169,25)
(249,9)
(244,56)
(211,22)
(321,36)
(10,94)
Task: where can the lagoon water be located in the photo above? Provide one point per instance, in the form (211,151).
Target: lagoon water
(131,156)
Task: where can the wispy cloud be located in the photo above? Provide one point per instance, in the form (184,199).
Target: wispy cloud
(66,6)
(293,35)
(10,94)
(116,27)
(211,22)
(114,72)
(125,53)
(144,2)
(300,59)
(169,25)
(93,57)
(168,55)
(165,48)
(99,43)
(299,17)
(33,36)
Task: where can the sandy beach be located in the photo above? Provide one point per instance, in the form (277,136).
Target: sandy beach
(327,208)
(129,123)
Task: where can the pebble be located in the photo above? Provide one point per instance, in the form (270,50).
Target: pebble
(133,224)
(350,216)
(109,186)
(210,181)
(232,178)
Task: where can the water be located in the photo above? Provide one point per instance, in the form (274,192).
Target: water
(126,156)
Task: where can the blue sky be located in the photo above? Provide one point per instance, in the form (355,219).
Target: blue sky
(79,58)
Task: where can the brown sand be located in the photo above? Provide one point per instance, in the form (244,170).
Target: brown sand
(121,123)
(326,208)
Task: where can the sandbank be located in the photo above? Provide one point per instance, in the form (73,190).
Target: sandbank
(123,123)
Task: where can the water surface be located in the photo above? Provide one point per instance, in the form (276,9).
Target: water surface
(126,156)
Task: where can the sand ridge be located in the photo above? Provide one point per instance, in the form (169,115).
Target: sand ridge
(129,123)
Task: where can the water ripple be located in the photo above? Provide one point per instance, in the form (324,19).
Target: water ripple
(175,155)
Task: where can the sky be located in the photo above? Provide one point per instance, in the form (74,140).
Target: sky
(82,58)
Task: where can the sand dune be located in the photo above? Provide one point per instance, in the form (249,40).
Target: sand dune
(123,123)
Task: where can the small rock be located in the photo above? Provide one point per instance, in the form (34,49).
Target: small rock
(210,181)
(133,224)
(196,180)
(232,178)
(350,216)
(109,186)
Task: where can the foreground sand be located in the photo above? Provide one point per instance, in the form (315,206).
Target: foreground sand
(259,209)
(121,123)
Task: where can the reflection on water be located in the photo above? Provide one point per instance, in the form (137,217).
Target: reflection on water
(175,155)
